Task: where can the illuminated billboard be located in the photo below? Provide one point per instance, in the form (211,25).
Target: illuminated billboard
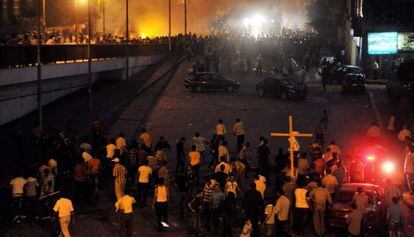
(406,42)
(382,43)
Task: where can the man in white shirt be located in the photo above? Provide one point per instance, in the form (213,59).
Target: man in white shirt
(18,184)
(409,168)
(330,182)
(124,206)
(64,209)
(282,211)
(220,131)
(239,132)
(200,143)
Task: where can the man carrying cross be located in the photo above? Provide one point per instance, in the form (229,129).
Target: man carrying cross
(293,144)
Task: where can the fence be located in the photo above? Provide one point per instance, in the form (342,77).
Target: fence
(18,56)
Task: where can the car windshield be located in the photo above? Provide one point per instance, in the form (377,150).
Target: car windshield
(354,70)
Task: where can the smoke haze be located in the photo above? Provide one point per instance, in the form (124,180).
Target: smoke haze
(150,18)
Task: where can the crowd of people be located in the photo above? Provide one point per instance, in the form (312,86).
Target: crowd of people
(218,187)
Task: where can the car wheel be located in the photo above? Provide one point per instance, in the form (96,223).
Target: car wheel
(198,89)
(261,92)
(230,89)
(284,95)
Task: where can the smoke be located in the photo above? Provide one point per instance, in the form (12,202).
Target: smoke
(150,18)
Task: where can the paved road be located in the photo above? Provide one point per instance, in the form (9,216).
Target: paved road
(180,112)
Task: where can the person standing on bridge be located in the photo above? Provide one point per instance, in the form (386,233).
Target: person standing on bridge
(239,132)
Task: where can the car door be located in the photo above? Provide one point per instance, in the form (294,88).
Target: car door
(218,82)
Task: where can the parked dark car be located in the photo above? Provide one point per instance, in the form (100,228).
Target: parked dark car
(341,207)
(336,73)
(281,87)
(210,81)
(353,82)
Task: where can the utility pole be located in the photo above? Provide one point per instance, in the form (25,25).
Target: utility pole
(89,55)
(76,21)
(103,16)
(44,14)
(39,66)
(185,17)
(169,25)
(127,39)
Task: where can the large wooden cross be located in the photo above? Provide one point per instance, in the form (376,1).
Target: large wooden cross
(291,135)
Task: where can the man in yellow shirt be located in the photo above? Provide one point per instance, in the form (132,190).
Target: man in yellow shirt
(238,131)
(145,138)
(124,206)
(227,169)
(220,131)
(144,173)
(194,161)
(223,151)
(260,185)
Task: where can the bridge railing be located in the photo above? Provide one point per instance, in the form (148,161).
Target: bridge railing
(21,56)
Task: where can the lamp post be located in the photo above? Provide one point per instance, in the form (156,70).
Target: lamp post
(127,39)
(44,14)
(89,56)
(39,66)
(76,21)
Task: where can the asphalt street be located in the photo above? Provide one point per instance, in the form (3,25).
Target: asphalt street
(180,113)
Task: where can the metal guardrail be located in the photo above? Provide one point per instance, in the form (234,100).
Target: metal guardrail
(20,56)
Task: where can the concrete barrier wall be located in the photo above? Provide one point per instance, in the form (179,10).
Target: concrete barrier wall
(18,87)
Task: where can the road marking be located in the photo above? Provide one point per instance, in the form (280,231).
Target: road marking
(375,109)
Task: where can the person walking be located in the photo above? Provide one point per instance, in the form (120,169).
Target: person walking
(144,173)
(239,132)
(263,153)
(124,205)
(121,143)
(330,182)
(228,213)
(180,149)
(395,218)
(320,196)
(160,203)
(162,147)
(195,206)
(302,207)
(220,131)
(253,208)
(223,151)
(200,143)
(119,173)
(282,214)
(354,221)
(64,210)
(409,168)
(194,157)
(18,184)
(182,183)
(145,138)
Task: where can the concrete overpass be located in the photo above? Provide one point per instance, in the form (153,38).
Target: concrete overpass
(18,84)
